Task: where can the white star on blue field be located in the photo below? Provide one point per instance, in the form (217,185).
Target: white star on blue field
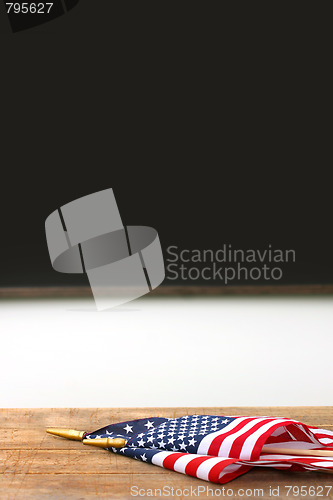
(182,434)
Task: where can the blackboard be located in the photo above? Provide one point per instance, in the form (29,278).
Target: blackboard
(212,156)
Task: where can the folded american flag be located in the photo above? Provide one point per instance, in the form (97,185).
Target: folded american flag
(218,449)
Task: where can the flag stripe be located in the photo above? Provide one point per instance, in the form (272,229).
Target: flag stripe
(158,459)
(181,463)
(257,440)
(204,446)
(205,468)
(326,441)
(191,468)
(170,460)
(218,471)
(247,445)
(221,444)
(231,472)
(233,444)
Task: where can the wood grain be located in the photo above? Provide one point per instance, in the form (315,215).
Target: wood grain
(35,465)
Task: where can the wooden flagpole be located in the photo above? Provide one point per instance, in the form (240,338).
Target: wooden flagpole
(297,451)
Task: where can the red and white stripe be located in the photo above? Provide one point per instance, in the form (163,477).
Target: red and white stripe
(221,470)
(323,436)
(232,451)
(244,437)
(213,469)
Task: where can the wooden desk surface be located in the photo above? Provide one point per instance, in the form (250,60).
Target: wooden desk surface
(35,465)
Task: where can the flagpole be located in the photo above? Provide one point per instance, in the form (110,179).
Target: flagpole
(106,442)
(79,436)
(67,433)
(297,451)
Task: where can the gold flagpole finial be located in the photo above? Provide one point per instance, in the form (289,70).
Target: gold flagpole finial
(67,433)
(106,442)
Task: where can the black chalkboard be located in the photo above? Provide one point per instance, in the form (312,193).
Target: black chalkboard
(217,147)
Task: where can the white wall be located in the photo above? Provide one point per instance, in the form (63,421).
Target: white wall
(167,352)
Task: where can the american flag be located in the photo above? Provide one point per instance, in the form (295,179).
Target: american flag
(217,448)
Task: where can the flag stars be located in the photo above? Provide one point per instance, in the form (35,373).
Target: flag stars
(128,428)
(178,434)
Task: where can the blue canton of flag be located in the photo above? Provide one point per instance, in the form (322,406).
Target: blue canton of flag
(182,434)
